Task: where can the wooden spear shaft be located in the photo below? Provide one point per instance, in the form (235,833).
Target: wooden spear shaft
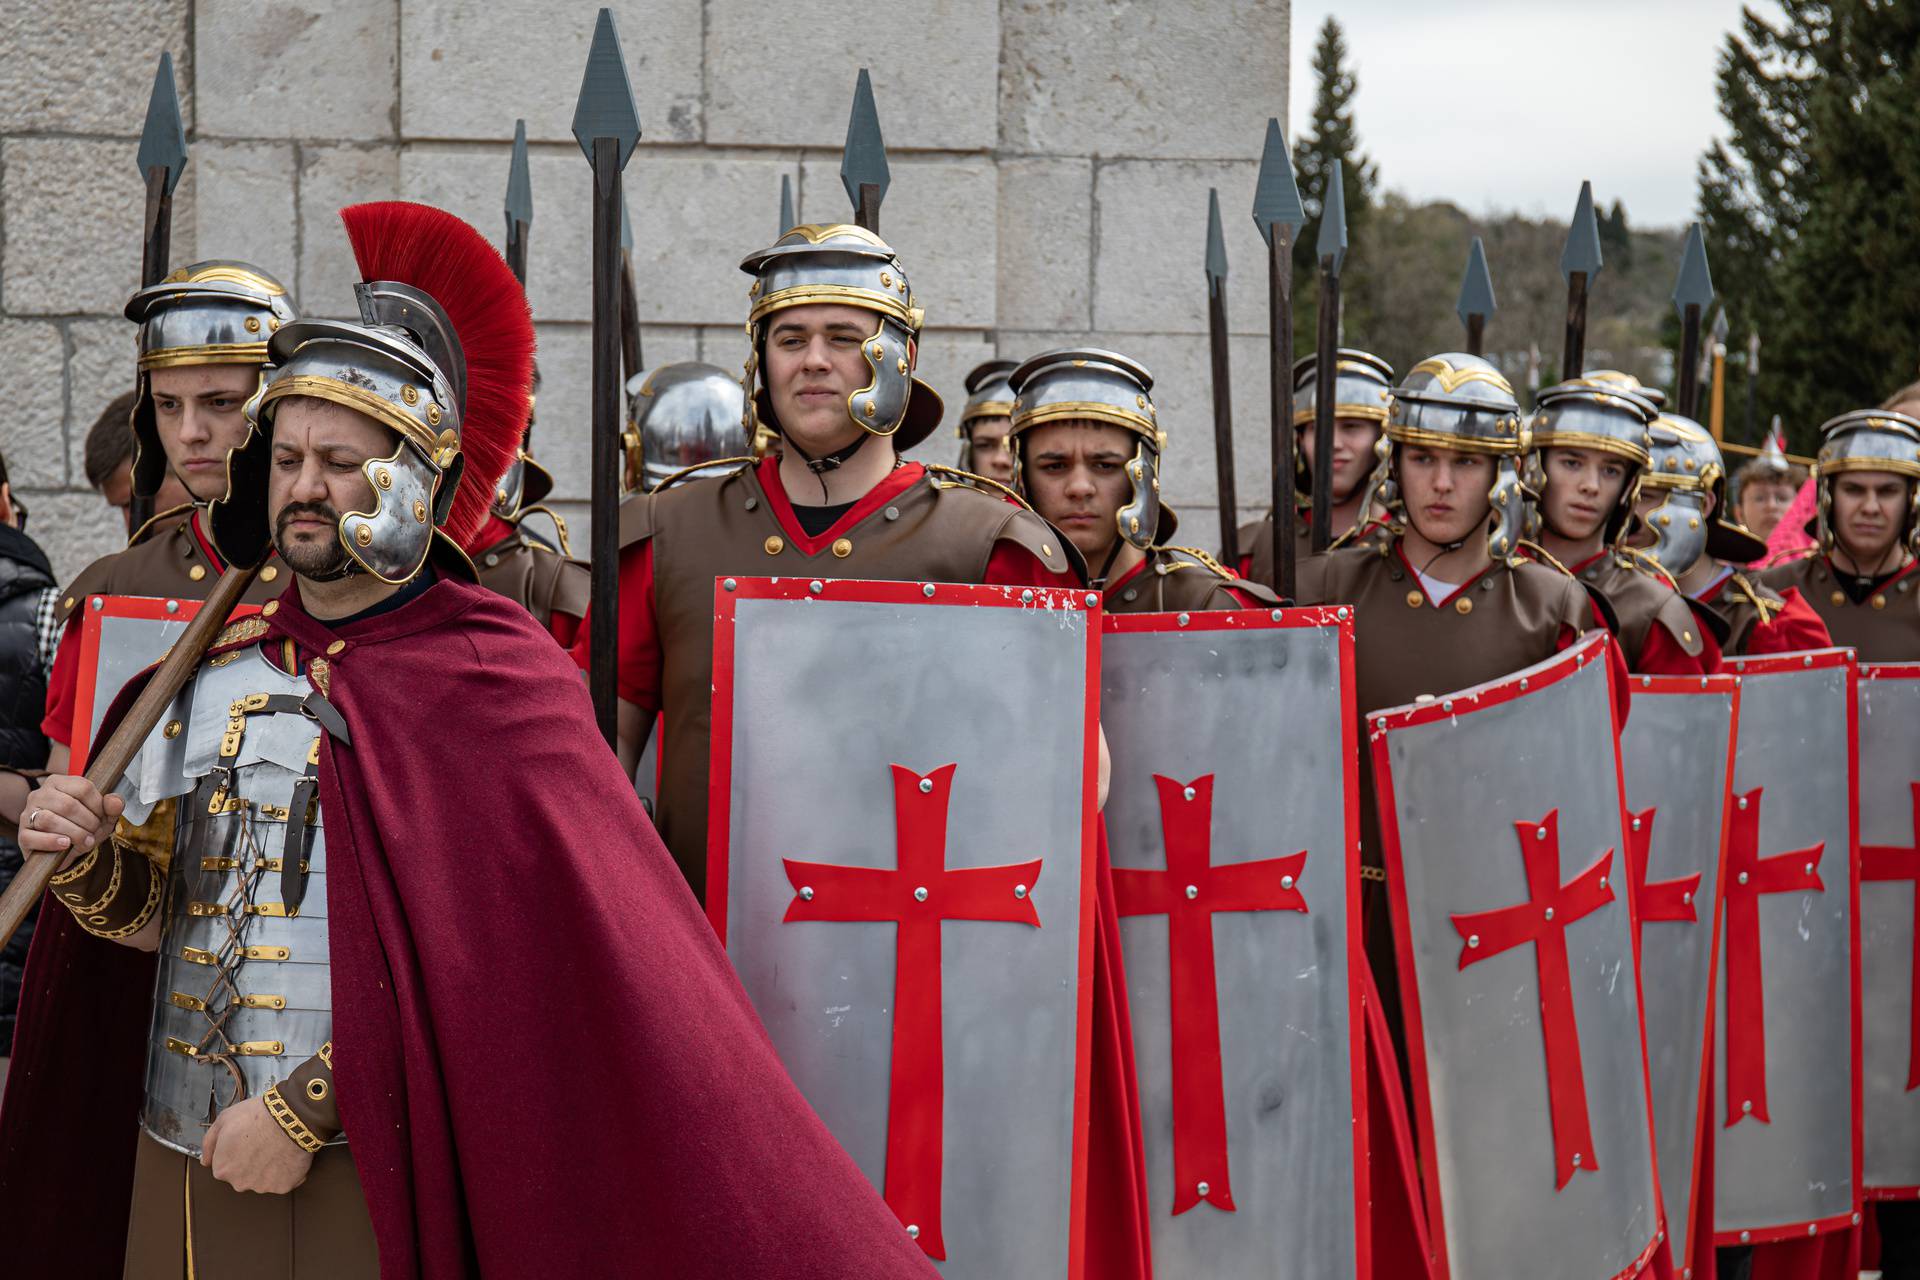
(1280,394)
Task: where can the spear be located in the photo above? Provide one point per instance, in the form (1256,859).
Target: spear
(607,125)
(863,162)
(1579,263)
(1753,377)
(787,220)
(1692,295)
(1476,302)
(1332,248)
(1222,390)
(1717,421)
(630,358)
(519,204)
(162,158)
(1277,212)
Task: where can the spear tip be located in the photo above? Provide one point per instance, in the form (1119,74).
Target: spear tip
(1216,242)
(1333,220)
(1694,285)
(1276,196)
(1476,285)
(163,139)
(606,108)
(1583,238)
(863,161)
(519,206)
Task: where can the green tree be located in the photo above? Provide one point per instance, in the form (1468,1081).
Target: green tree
(1332,135)
(1616,241)
(1808,203)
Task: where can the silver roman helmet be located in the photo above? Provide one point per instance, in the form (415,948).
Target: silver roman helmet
(215,312)
(1085,384)
(1587,413)
(846,266)
(1689,476)
(1627,382)
(685,416)
(989,396)
(1362,388)
(1461,402)
(1869,440)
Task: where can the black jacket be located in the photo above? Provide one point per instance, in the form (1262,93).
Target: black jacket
(24,576)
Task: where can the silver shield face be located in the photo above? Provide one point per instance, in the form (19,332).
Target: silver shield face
(1677,753)
(133,633)
(1232,859)
(1517,964)
(1785,1114)
(1889,859)
(909,904)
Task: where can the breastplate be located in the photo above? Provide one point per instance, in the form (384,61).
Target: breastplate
(243,992)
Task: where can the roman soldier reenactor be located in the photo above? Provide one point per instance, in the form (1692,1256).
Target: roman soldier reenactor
(322,859)
(527,567)
(1363,388)
(1589,448)
(686,420)
(1686,528)
(1086,446)
(1861,579)
(985,419)
(202,356)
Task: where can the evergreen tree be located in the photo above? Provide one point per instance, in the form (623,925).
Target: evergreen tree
(1616,241)
(1332,136)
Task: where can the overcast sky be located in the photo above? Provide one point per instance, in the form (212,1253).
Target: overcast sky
(1508,104)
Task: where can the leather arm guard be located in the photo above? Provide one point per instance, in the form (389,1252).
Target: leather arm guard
(113,891)
(303,1103)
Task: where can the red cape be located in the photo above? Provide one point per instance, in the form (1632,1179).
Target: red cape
(543,1060)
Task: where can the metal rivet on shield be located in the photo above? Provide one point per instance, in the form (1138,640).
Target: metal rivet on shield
(1743,877)
(1807,661)
(1809,868)
(1539,833)
(1447,705)
(1576,1159)
(1856,1219)
(1341,613)
(173,606)
(1203,1189)
(1812,1229)
(1523,684)
(1275,615)
(1745,1236)
(1746,1108)
(1603,882)
(1686,899)
(816,586)
(1026,597)
(731,584)
(806,893)
(1184,619)
(1704,681)
(1636,824)
(1381,723)
(1646,682)
(1286,882)
(1093,599)
(926,786)
(1473,940)
(920,894)
(1020,891)
(1549,913)
(1193,891)
(927,591)
(1186,793)
(1743,802)
(913,1232)
(98,602)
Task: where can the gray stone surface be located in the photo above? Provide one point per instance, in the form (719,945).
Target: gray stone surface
(443,46)
(73,528)
(1045,236)
(321,69)
(89,68)
(73,228)
(562,433)
(1141,79)
(784,76)
(332,177)
(34,443)
(100,367)
(1150,265)
(244,206)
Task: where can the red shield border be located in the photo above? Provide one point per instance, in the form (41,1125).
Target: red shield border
(1870,671)
(1341,618)
(727,594)
(92,614)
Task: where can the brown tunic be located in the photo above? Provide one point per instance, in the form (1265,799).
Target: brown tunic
(938,530)
(1745,603)
(1256,543)
(1182,580)
(164,558)
(1513,615)
(535,577)
(1643,597)
(1885,627)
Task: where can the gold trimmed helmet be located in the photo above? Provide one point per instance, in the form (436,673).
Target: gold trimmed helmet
(1688,474)
(989,396)
(1086,384)
(214,312)
(1868,440)
(1601,415)
(849,266)
(1464,403)
(1362,388)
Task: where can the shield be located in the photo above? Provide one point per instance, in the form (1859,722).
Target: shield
(121,636)
(1889,908)
(1502,827)
(1786,1104)
(901,868)
(1677,757)
(1233,859)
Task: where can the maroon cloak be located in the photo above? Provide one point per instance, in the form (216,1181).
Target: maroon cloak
(543,1060)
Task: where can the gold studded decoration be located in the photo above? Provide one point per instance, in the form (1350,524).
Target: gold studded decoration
(843,547)
(433,414)
(419,511)
(269,573)
(1463,606)
(364,535)
(198,572)
(172,730)
(1838,597)
(253,324)
(410,394)
(273,607)
(869,408)
(1879,602)
(774,545)
(337,648)
(1415,599)
(383,477)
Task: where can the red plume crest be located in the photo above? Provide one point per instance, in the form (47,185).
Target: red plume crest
(439,254)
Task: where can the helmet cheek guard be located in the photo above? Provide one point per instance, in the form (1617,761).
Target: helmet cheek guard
(881,406)
(1139,516)
(1679,529)
(390,541)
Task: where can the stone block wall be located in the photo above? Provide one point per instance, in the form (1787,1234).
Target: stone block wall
(1051,160)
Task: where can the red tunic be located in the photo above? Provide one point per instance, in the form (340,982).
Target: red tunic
(1795,628)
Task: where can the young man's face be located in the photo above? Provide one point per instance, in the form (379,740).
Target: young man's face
(1583,489)
(990,455)
(197,410)
(1352,453)
(1076,477)
(813,363)
(1445,491)
(1869,511)
(1762,504)
(318,449)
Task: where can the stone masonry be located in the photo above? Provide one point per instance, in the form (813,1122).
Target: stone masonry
(1051,160)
